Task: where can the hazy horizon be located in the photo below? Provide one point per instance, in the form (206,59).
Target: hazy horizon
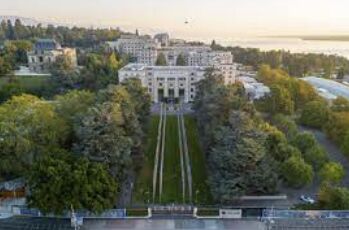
(207,19)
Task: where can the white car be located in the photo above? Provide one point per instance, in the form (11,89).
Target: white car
(307,199)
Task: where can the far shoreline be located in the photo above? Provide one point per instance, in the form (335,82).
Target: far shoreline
(332,38)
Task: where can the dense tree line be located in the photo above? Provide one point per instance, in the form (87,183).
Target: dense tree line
(332,118)
(288,95)
(313,112)
(99,69)
(245,154)
(298,64)
(73,37)
(75,149)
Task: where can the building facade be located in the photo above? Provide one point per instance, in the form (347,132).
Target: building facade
(145,50)
(45,53)
(173,82)
(163,39)
(142,49)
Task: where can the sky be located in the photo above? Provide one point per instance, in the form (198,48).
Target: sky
(207,18)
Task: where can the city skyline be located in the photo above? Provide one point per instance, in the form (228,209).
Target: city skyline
(216,19)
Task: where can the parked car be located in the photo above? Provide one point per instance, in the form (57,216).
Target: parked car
(307,199)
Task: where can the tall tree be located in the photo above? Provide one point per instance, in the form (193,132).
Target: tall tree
(59,180)
(181,60)
(161,60)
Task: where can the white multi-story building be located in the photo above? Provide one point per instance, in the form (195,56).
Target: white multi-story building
(173,82)
(145,50)
(142,49)
(209,58)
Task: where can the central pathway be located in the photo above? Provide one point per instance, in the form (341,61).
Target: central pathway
(168,155)
(186,153)
(163,141)
(180,140)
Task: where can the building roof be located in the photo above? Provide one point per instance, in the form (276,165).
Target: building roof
(140,67)
(46,44)
(328,88)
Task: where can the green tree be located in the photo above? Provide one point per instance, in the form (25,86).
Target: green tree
(279,101)
(340,104)
(304,141)
(181,60)
(72,107)
(161,60)
(345,144)
(316,156)
(315,114)
(59,180)
(286,125)
(28,126)
(337,126)
(5,67)
(296,172)
(9,90)
(332,172)
(140,98)
(238,161)
(65,75)
(113,64)
(102,138)
(333,198)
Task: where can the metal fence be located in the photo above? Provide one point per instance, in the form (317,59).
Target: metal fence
(304,214)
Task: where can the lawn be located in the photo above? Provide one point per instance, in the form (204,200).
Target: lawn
(172,187)
(28,82)
(201,190)
(143,187)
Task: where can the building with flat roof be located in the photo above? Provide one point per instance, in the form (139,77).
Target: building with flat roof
(45,52)
(173,82)
(145,50)
(142,49)
(328,89)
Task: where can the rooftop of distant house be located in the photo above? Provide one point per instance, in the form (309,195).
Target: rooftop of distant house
(47,44)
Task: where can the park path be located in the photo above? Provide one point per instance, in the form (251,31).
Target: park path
(157,153)
(334,153)
(163,140)
(186,154)
(180,141)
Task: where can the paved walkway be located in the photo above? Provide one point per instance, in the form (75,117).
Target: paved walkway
(334,154)
(169,224)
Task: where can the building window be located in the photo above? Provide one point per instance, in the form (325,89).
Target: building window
(41,59)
